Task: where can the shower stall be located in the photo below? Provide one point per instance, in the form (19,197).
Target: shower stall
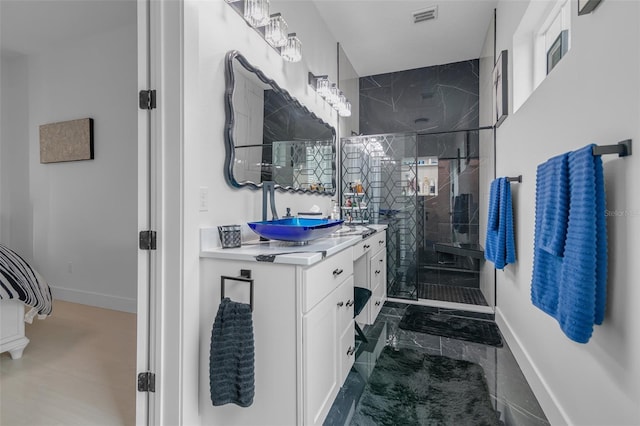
(426,188)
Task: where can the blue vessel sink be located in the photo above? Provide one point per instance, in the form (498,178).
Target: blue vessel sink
(295,229)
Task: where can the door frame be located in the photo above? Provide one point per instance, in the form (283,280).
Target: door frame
(160,142)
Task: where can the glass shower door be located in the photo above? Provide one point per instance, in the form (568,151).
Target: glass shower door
(425,188)
(386,167)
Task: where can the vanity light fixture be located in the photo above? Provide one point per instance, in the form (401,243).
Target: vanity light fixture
(343,107)
(256,12)
(345,111)
(272,28)
(276,31)
(330,93)
(334,96)
(323,86)
(292,51)
(342,102)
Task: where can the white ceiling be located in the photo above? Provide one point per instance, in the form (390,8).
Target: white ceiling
(31,26)
(379,36)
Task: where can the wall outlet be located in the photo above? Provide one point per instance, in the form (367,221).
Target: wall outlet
(204,199)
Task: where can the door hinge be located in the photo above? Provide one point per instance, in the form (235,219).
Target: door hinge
(146,382)
(147,240)
(147,99)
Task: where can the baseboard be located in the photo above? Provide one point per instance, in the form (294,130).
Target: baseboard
(552,409)
(445,305)
(95,299)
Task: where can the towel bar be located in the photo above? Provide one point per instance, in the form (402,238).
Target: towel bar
(245,276)
(623,149)
(515,179)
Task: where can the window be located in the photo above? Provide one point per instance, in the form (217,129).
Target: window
(540,42)
(554,35)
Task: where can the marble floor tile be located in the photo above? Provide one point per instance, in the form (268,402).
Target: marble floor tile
(511,395)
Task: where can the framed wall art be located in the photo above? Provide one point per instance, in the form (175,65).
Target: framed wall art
(66,141)
(500,89)
(587,6)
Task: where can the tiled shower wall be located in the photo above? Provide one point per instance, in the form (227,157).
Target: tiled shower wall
(431,99)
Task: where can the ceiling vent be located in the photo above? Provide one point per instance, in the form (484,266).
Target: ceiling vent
(427,14)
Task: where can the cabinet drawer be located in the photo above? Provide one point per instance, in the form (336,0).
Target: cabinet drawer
(362,248)
(378,268)
(320,280)
(378,241)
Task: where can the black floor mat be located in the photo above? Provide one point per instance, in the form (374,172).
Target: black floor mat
(454,325)
(408,387)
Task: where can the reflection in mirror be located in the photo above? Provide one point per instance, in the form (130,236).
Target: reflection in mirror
(269,135)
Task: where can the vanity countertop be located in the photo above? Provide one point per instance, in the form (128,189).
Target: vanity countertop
(283,251)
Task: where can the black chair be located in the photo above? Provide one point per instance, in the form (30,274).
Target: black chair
(360,298)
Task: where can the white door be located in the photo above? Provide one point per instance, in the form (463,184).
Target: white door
(160,206)
(146,258)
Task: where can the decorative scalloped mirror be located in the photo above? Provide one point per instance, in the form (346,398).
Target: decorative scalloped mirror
(270,136)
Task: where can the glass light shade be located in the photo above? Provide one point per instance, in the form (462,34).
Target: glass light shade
(342,101)
(292,51)
(276,31)
(334,95)
(323,87)
(346,110)
(256,12)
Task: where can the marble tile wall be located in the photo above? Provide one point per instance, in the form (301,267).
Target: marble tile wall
(437,98)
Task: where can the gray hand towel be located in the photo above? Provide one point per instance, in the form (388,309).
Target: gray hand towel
(231,359)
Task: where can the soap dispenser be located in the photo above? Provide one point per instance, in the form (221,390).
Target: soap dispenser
(335,211)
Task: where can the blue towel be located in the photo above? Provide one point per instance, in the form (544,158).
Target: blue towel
(570,242)
(500,245)
(232,358)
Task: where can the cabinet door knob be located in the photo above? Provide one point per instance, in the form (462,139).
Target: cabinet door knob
(351,350)
(381,260)
(350,303)
(340,304)
(337,272)
(377,272)
(381,242)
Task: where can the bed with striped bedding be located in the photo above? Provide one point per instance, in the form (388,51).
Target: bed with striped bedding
(21,287)
(19,281)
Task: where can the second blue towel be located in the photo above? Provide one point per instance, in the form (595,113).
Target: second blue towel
(500,245)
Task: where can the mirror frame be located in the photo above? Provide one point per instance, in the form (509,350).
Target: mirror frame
(230,123)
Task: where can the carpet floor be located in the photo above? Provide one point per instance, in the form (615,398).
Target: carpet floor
(408,387)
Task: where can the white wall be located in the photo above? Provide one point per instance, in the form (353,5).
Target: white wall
(76,220)
(15,210)
(210,30)
(592,96)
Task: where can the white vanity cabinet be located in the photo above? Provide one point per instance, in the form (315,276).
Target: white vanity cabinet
(370,271)
(303,326)
(328,348)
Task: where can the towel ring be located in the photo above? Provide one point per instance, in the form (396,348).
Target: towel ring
(245,276)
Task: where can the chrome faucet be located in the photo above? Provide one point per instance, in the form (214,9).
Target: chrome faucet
(269,189)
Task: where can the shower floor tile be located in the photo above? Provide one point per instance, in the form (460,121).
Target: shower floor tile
(447,293)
